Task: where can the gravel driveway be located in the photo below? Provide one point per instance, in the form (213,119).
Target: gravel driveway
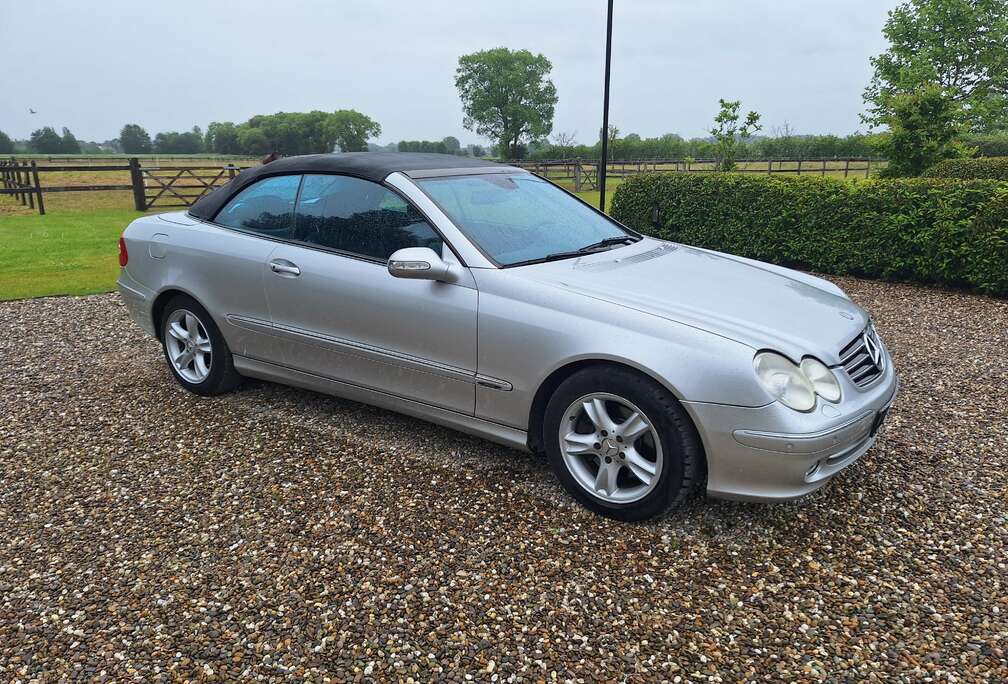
(148,533)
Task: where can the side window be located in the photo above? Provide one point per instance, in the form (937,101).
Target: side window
(265,207)
(360,217)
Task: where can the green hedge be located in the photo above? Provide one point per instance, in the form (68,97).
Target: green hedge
(970,169)
(925,230)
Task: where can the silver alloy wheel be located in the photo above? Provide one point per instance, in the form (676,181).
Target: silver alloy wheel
(611,448)
(188,346)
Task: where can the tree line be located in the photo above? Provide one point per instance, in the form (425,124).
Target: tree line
(783,144)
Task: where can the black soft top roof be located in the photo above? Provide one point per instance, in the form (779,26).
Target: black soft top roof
(372,166)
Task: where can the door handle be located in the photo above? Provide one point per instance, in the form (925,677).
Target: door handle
(281,267)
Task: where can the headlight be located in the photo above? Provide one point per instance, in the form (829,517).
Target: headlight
(784,381)
(823,381)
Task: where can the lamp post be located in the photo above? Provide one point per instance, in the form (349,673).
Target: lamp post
(605,111)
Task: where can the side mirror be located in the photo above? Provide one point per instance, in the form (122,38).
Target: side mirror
(420,263)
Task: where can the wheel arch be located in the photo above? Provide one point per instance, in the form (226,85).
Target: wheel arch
(549,385)
(161,301)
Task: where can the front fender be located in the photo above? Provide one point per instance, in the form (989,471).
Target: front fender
(527,333)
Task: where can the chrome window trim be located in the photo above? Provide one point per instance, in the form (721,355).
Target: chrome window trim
(329,250)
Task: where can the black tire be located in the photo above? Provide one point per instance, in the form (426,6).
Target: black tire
(684,464)
(222,377)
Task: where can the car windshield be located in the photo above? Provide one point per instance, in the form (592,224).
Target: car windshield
(519,218)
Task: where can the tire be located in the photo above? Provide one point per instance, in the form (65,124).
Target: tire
(216,374)
(662,467)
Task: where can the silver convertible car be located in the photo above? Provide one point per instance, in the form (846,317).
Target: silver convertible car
(485,298)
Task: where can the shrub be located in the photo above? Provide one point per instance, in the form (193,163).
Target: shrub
(924,230)
(970,169)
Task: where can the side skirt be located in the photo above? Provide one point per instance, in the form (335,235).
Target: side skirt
(508,436)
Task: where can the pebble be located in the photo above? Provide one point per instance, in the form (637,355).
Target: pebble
(273,533)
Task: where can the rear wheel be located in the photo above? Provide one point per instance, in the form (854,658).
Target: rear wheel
(196,352)
(621,444)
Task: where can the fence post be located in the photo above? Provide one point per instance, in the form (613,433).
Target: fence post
(867,172)
(799,167)
(136,178)
(769,167)
(38,188)
(846,167)
(28,191)
(22,177)
(577,176)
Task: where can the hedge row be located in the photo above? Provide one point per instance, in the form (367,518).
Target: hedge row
(970,169)
(926,230)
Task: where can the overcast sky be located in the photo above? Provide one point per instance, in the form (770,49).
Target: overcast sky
(94,65)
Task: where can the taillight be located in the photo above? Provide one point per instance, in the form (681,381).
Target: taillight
(123,254)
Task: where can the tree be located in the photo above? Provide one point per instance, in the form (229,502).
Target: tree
(308,132)
(171,142)
(452,145)
(6,144)
(253,140)
(563,141)
(222,138)
(134,139)
(351,130)
(45,140)
(727,132)
(613,135)
(959,45)
(69,143)
(924,125)
(506,96)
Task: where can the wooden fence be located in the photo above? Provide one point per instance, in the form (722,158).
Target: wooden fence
(584,173)
(21,180)
(162,186)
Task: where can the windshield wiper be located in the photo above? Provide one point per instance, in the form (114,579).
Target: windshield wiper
(608,242)
(593,247)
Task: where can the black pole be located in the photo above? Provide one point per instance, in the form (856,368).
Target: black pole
(605,111)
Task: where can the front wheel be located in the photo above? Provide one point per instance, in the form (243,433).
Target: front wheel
(196,352)
(621,444)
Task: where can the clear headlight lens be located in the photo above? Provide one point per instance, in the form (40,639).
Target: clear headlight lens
(784,381)
(823,381)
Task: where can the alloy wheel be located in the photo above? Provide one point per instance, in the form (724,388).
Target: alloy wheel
(611,448)
(188,345)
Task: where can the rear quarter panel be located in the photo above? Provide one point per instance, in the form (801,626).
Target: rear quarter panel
(221,269)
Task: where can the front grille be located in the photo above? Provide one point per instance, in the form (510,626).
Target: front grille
(863,358)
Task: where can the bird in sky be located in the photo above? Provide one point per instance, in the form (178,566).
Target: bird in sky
(32,110)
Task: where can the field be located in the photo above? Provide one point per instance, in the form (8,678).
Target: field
(72,249)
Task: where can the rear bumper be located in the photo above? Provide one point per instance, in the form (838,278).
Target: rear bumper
(773,453)
(138,300)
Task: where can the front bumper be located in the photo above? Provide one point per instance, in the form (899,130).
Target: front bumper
(773,453)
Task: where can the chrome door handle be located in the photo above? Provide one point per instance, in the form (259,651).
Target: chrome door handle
(284,268)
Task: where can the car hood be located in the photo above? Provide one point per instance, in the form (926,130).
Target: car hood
(760,305)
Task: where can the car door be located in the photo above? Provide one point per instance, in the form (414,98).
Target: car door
(338,312)
(232,273)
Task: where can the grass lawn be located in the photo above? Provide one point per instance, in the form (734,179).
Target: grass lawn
(75,251)
(67,252)
(592,197)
